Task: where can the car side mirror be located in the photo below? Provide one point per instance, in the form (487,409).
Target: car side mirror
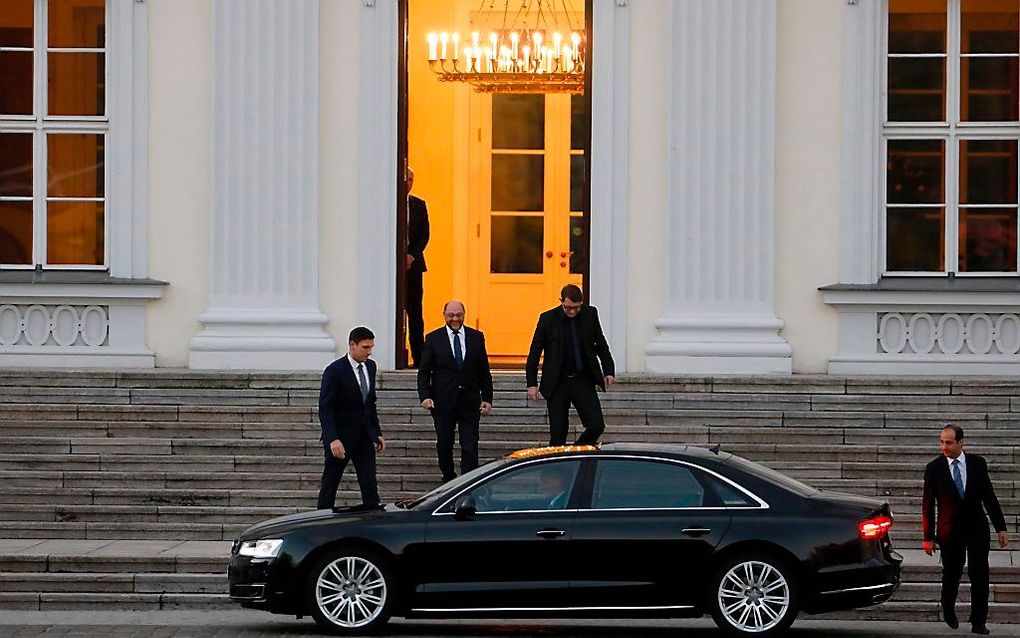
(465,510)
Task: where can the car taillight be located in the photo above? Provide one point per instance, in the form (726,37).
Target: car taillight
(873,528)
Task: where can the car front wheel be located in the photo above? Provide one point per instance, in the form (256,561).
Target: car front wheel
(754,595)
(351,592)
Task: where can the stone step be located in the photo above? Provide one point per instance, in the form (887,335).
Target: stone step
(102,583)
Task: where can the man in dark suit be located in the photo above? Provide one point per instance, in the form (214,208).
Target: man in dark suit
(455,385)
(958,488)
(350,421)
(571,337)
(417,240)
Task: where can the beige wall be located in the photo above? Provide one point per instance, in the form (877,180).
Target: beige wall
(180,165)
(808,142)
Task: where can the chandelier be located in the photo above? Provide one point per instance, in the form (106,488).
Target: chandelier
(536,48)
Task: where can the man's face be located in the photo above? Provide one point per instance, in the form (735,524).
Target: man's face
(951,448)
(454,316)
(360,351)
(571,308)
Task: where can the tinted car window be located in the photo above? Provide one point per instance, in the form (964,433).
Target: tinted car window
(538,486)
(632,483)
(728,495)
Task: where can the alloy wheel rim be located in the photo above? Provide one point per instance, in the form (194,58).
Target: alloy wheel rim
(754,596)
(351,592)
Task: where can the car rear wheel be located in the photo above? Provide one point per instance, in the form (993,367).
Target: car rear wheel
(351,592)
(754,595)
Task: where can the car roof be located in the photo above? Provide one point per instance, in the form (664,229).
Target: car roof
(642,449)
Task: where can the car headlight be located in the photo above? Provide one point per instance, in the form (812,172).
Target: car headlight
(262,548)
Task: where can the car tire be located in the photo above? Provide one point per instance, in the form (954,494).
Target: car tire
(351,592)
(754,595)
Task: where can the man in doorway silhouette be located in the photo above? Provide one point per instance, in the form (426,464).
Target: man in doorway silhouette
(417,240)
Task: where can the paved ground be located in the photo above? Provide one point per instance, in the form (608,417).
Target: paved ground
(254,624)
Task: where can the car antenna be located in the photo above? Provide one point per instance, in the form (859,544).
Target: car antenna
(715,448)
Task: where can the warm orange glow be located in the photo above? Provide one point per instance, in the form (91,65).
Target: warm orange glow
(531,452)
(874,527)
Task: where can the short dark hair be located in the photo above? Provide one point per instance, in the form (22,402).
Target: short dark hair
(571,292)
(359,334)
(957,430)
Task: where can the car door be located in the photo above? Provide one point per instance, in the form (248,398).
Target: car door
(514,551)
(648,534)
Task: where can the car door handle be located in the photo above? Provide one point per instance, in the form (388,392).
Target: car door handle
(696,531)
(550,533)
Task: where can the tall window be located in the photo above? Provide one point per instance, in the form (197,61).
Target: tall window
(53,132)
(951,134)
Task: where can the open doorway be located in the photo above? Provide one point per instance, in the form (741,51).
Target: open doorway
(503,170)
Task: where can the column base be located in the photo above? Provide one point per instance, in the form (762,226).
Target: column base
(719,344)
(262,340)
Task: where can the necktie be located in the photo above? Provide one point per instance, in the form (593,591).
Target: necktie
(363,381)
(957,478)
(458,354)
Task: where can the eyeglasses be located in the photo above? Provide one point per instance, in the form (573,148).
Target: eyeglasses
(571,307)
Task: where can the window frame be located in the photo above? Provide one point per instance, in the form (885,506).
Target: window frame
(952,132)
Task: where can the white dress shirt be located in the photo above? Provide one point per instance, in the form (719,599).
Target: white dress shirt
(963,468)
(354,369)
(463,341)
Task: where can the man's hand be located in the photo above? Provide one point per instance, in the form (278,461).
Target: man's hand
(380,445)
(929,547)
(486,408)
(609,381)
(428,404)
(410,260)
(1003,539)
(337,448)
(533,393)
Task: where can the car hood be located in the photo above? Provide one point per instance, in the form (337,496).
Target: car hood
(866,504)
(284,524)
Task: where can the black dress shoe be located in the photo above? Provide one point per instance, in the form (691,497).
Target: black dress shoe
(980,629)
(950,617)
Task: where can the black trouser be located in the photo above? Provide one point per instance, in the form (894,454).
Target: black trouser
(362,453)
(415,322)
(580,391)
(976,552)
(464,421)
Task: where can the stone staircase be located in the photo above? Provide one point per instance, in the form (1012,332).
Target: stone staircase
(122,490)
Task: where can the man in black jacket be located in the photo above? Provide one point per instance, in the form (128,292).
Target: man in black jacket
(571,337)
(957,485)
(455,385)
(350,421)
(417,240)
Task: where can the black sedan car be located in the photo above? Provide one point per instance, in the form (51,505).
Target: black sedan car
(622,530)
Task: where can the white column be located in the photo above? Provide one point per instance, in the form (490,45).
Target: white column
(264,309)
(720,316)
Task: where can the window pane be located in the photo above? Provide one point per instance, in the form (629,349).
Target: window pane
(75,163)
(15,82)
(988,89)
(645,484)
(15,232)
(517,244)
(578,246)
(76,84)
(74,233)
(16,21)
(988,171)
(578,183)
(16,164)
(915,172)
(518,121)
(77,23)
(917,26)
(917,89)
(545,486)
(915,239)
(578,122)
(990,26)
(987,240)
(518,182)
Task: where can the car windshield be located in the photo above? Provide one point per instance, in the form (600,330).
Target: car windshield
(453,485)
(772,476)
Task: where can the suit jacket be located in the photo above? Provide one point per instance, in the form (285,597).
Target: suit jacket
(342,412)
(549,339)
(958,519)
(451,388)
(417,231)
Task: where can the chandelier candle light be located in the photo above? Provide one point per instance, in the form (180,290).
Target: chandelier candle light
(528,54)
